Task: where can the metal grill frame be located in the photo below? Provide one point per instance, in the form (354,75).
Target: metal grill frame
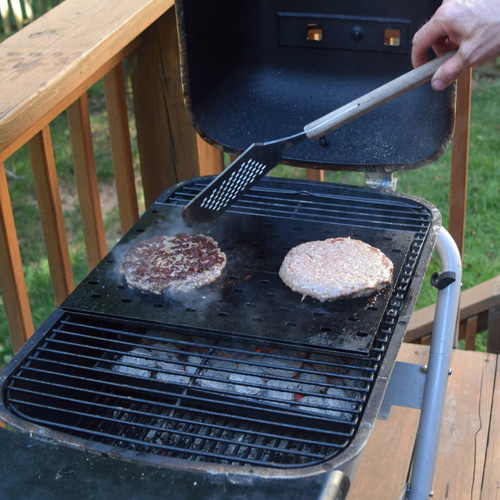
(74,340)
(387,347)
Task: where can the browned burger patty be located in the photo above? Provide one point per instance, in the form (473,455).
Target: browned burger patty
(336,268)
(181,262)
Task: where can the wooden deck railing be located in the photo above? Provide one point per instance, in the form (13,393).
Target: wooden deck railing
(47,68)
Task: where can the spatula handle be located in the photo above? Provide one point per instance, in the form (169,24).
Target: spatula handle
(375,98)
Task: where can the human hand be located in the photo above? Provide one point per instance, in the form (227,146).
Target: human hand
(471,25)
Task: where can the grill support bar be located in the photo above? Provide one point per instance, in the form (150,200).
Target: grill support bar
(438,371)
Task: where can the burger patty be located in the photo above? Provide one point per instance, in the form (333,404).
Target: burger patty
(336,268)
(181,262)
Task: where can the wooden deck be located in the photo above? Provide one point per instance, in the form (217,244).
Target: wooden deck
(468,462)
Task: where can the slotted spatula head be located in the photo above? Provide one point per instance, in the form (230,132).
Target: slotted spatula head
(235,180)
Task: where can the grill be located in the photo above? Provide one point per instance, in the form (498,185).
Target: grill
(242,378)
(254,376)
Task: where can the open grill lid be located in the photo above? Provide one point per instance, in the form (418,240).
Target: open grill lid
(258,70)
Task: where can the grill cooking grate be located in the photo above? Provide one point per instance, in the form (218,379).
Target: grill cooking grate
(329,203)
(200,397)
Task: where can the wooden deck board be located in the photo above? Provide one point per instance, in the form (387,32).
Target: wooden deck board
(464,438)
(491,479)
(464,432)
(390,445)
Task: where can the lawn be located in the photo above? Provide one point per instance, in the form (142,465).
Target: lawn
(481,261)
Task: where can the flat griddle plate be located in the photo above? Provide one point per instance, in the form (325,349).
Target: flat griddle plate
(249,300)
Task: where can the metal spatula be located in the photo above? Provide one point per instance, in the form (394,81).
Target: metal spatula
(260,158)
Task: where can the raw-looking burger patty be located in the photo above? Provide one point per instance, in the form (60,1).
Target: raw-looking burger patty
(180,262)
(336,268)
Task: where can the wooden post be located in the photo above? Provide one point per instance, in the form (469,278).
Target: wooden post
(114,90)
(15,295)
(471,333)
(18,13)
(4,14)
(166,139)
(49,201)
(493,340)
(459,169)
(210,159)
(28,9)
(86,180)
(313,174)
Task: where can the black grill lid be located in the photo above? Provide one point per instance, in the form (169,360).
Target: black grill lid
(251,74)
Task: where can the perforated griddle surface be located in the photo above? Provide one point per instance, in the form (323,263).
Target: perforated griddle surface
(249,300)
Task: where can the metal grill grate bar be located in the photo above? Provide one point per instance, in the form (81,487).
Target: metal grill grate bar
(161,430)
(266,360)
(131,400)
(314,388)
(139,445)
(333,208)
(70,384)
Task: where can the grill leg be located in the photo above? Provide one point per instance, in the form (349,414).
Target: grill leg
(443,339)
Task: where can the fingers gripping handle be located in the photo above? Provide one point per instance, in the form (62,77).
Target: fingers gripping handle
(328,123)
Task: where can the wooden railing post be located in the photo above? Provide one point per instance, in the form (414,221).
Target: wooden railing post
(86,180)
(314,174)
(116,105)
(459,161)
(210,159)
(169,148)
(14,293)
(166,140)
(51,214)
(493,340)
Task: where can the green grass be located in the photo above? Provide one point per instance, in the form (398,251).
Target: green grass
(481,260)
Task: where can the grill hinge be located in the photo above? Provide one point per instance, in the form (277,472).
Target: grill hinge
(381,180)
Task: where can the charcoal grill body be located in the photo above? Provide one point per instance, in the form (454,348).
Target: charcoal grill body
(62,386)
